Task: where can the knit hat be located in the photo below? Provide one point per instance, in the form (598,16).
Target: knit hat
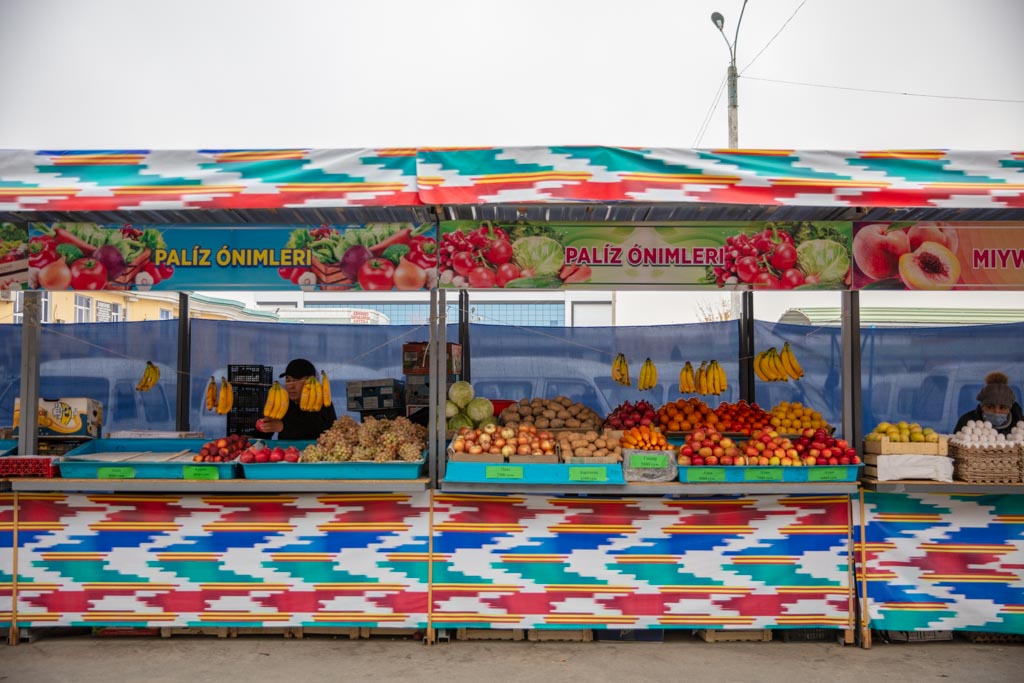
(997,390)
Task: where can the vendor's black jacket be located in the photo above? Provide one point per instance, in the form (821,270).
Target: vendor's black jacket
(300,425)
(1015,417)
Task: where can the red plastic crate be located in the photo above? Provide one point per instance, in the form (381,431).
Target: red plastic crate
(16,466)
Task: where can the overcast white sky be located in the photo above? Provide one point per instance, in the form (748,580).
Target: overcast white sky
(102,74)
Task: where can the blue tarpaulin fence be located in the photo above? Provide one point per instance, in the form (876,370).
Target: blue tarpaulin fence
(927,375)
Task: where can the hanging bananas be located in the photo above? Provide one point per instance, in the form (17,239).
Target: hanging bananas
(211,394)
(687,384)
(772,366)
(225,397)
(620,370)
(325,385)
(150,376)
(277,402)
(312,398)
(648,376)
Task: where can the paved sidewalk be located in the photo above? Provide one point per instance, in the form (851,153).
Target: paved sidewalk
(264,658)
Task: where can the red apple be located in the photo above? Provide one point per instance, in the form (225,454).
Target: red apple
(711,460)
(833,461)
(685,461)
(726,460)
(810,461)
(262,456)
(698,461)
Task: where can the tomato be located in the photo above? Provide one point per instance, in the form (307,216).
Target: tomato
(784,257)
(285,272)
(766,280)
(499,252)
(508,272)
(377,273)
(88,273)
(463,262)
(482,277)
(165,271)
(792,278)
(54,275)
(747,269)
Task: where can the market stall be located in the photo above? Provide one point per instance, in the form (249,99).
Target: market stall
(719,547)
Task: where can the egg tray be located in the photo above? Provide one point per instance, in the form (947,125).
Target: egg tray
(988,464)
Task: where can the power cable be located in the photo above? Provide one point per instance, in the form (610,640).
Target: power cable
(772,39)
(885,92)
(711,112)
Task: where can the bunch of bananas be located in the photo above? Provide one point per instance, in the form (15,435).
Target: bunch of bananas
(150,376)
(277,402)
(620,370)
(648,376)
(222,400)
(312,398)
(325,386)
(773,366)
(708,379)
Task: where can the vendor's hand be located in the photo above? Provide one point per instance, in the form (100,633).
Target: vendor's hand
(268,425)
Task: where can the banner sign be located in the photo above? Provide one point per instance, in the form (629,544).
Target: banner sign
(760,256)
(939,256)
(87,256)
(13,257)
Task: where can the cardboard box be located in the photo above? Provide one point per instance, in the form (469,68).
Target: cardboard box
(375,394)
(67,417)
(416,360)
(417,388)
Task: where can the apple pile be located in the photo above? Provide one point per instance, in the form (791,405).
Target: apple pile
(692,413)
(706,446)
(741,417)
(224,449)
(259,452)
(818,447)
(627,415)
(523,439)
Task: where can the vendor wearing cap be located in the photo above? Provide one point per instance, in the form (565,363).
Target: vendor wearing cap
(997,405)
(298,424)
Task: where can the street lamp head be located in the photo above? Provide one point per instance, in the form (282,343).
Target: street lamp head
(718,20)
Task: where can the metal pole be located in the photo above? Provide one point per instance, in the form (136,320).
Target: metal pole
(851,407)
(734,123)
(746,359)
(184,374)
(28,421)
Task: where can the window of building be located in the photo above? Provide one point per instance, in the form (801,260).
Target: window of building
(19,307)
(116,313)
(83,309)
(526,314)
(166,314)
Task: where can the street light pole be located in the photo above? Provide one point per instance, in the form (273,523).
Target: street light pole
(731,76)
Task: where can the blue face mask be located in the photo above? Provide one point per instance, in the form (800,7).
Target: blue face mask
(998,420)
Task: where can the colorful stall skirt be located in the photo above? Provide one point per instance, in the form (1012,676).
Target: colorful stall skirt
(529,561)
(945,562)
(6,557)
(220,560)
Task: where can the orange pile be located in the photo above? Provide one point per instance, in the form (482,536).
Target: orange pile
(644,438)
(685,414)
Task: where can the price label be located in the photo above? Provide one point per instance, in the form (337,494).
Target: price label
(705,474)
(826,474)
(205,472)
(762,474)
(503,472)
(648,461)
(115,472)
(588,474)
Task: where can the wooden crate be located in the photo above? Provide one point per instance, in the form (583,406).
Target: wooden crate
(351,632)
(576,635)
(1000,638)
(389,632)
(731,636)
(883,446)
(287,632)
(218,631)
(489,634)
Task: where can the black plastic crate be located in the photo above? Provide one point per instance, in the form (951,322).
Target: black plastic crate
(638,635)
(262,375)
(249,398)
(243,423)
(810,635)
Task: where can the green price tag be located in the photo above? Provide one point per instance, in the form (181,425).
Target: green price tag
(648,461)
(762,474)
(201,472)
(115,472)
(826,474)
(504,472)
(588,474)
(705,474)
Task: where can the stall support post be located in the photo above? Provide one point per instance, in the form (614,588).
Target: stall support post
(438,384)
(852,428)
(464,334)
(28,422)
(746,359)
(184,377)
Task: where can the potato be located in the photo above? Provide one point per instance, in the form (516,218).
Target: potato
(526,410)
(572,423)
(549,414)
(542,423)
(601,453)
(557,422)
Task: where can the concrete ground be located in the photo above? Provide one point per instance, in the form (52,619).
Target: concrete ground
(251,659)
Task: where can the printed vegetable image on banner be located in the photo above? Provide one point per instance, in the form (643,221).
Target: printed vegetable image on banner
(86,256)
(760,256)
(938,256)
(15,255)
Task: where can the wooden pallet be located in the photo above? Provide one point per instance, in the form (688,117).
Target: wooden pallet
(287,632)
(984,637)
(389,632)
(576,635)
(489,634)
(351,632)
(731,636)
(218,631)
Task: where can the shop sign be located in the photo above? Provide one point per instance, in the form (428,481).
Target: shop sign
(938,256)
(87,256)
(758,256)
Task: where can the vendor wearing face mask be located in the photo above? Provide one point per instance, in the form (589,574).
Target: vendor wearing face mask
(996,404)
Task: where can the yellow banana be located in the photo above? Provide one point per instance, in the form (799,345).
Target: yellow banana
(623,372)
(792,366)
(716,385)
(702,378)
(318,393)
(617,369)
(280,406)
(689,384)
(777,368)
(211,394)
(651,377)
(304,397)
(641,380)
(149,378)
(325,384)
(723,382)
(682,378)
(222,397)
(759,367)
(268,405)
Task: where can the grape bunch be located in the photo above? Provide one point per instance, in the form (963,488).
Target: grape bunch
(766,260)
